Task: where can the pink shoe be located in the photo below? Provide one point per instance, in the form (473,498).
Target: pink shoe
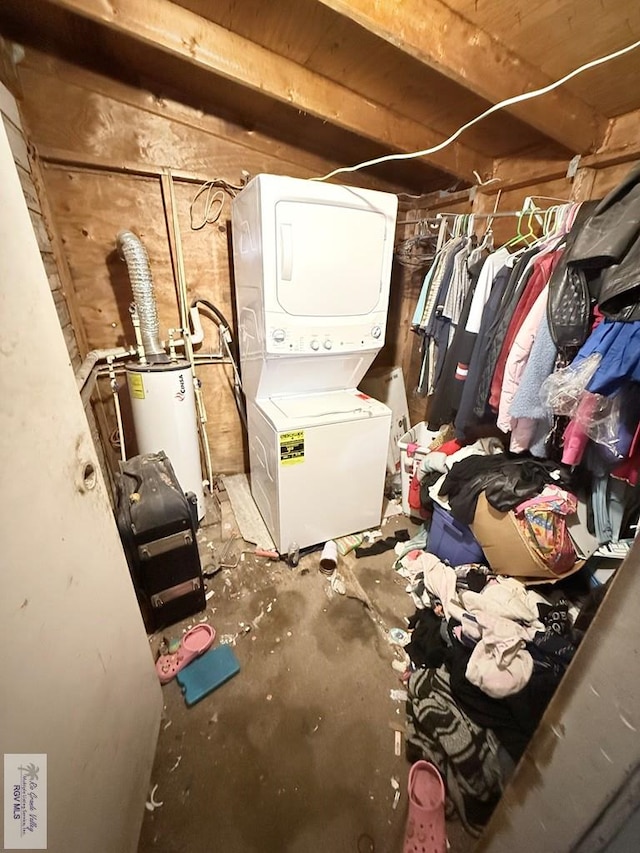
(425,831)
(194,643)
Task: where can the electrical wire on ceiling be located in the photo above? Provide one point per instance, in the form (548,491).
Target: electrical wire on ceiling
(516,99)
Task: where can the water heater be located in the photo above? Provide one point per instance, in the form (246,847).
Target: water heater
(164,416)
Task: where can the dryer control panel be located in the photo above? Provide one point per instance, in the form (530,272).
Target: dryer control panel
(329,337)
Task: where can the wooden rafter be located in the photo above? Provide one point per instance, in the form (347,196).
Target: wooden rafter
(181,33)
(621,146)
(443,40)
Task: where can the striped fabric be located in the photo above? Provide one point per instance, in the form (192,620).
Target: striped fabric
(465,754)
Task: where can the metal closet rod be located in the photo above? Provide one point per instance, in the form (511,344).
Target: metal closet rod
(435,218)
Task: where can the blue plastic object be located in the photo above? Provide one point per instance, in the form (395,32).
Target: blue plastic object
(452,542)
(206,673)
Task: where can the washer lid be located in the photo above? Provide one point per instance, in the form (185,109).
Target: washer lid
(329,406)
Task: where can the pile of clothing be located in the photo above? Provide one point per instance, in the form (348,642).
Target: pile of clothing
(487,655)
(536,490)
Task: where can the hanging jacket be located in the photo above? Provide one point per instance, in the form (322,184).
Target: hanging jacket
(607,250)
(619,345)
(612,227)
(619,287)
(543,267)
(517,359)
(473,352)
(532,420)
(446,398)
(569,304)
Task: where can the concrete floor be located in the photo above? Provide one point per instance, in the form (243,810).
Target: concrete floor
(296,753)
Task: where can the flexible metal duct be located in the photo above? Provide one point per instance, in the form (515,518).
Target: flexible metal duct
(137,260)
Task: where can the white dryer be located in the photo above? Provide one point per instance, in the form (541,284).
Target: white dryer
(312,268)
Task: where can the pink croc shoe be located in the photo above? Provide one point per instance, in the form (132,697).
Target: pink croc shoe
(425,831)
(194,643)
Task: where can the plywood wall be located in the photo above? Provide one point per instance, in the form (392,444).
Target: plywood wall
(103,146)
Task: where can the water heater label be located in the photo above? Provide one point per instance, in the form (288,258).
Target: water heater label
(136,385)
(292,447)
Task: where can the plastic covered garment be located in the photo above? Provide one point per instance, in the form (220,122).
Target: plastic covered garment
(542,521)
(563,390)
(599,417)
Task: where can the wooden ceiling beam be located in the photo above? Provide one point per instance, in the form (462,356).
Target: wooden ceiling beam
(443,40)
(621,145)
(183,34)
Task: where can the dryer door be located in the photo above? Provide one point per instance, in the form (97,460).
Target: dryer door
(329,259)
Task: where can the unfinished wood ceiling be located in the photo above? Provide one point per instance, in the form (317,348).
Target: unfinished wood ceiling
(557,35)
(359,78)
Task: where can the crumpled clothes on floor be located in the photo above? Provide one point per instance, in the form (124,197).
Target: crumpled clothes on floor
(499,621)
(466,754)
(382,545)
(500,664)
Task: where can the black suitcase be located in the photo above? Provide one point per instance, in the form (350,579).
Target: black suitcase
(157,524)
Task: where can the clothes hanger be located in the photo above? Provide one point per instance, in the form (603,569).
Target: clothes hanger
(442,232)
(487,238)
(519,235)
(530,235)
(568,216)
(550,220)
(486,244)
(470,225)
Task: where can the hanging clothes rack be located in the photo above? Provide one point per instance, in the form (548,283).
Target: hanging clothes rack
(528,206)
(419,250)
(438,216)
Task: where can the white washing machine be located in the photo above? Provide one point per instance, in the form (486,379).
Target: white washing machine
(312,268)
(316,470)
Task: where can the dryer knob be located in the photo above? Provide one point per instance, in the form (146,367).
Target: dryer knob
(327,344)
(376,331)
(279,336)
(315,345)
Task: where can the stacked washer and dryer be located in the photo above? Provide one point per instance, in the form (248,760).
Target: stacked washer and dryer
(312,273)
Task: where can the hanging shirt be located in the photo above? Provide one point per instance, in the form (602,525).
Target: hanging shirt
(490,268)
(447,314)
(444,404)
(438,327)
(441,274)
(458,287)
(465,336)
(419,309)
